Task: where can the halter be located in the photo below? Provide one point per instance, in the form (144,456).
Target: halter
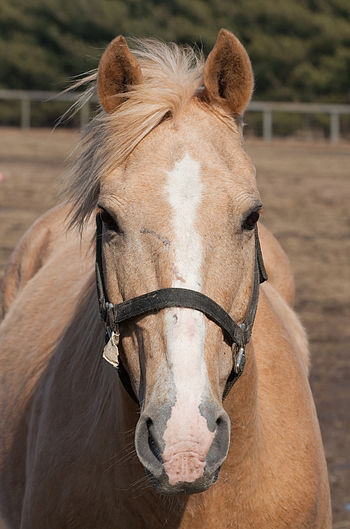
(237,335)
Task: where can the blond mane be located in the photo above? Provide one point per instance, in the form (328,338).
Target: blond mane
(172,75)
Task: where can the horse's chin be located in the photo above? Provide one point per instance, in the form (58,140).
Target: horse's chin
(201,484)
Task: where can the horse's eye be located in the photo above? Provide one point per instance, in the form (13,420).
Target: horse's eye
(108,220)
(250,221)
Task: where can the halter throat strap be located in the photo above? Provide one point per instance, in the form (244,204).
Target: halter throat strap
(237,335)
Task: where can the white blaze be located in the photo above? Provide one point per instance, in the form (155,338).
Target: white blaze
(184,188)
(185,328)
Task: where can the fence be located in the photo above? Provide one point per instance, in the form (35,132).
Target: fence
(26,97)
(265,107)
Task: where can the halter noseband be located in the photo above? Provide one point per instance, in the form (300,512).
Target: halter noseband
(237,335)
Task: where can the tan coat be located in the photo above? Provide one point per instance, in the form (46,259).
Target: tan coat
(174,193)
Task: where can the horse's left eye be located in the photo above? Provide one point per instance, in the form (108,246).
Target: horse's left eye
(250,221)
(108,220)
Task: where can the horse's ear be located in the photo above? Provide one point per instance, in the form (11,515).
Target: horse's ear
(228,76)
(117,71)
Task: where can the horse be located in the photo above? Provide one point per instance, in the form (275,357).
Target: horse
(178,395)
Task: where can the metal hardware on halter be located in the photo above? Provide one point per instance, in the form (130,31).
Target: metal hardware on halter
(111,351)
(239,359)
(238,353)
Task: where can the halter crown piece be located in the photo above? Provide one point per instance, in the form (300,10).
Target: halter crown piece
(237,335)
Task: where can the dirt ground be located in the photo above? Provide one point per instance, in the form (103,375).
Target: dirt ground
(306,193)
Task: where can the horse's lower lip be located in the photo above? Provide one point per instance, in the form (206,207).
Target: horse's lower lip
(200,485)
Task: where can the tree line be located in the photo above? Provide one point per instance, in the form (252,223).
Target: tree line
(300,49)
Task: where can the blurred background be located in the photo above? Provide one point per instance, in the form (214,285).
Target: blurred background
(300,50)
(297,130)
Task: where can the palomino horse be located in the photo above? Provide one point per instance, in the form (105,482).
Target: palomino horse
(178,271)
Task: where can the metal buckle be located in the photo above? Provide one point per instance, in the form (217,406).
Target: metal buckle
(239,359)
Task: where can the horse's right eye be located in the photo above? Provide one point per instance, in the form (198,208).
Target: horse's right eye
(108,220)
(250,221)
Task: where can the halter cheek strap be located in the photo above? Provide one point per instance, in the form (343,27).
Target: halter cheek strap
(237,335)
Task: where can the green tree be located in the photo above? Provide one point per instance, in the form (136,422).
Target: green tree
(300,50)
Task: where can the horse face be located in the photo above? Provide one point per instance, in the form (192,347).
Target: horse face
(176,218)
(178,213)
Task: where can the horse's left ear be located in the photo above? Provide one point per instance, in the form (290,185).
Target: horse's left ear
(228,76)
(117,71)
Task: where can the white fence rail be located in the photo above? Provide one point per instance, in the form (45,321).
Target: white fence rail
(334,111)
(267,109)
(42,96)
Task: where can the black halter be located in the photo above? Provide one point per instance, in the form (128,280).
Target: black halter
(237,335)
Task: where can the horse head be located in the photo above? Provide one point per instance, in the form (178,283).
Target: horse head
(178,205)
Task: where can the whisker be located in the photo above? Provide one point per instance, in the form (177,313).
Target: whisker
(141,484)
(122,458)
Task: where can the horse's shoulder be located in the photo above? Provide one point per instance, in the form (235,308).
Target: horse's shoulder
(32,252)
(279,294)
(277,265)
(277,316)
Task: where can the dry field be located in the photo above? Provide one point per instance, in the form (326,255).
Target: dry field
(306,193)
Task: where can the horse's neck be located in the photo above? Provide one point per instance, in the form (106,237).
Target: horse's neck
(111,409)
(242,408)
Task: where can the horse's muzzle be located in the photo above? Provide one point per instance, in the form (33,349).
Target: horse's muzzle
(188,465)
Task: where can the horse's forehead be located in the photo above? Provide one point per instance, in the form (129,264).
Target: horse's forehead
(198,143)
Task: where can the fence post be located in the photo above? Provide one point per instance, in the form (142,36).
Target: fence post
(334,127)
(25,113)
(267,125)
(84,115)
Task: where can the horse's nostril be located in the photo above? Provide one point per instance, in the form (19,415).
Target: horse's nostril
(218,421)
(152,442)
(216,475)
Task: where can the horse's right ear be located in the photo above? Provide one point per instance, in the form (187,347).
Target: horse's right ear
(117,71)
(227,75)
